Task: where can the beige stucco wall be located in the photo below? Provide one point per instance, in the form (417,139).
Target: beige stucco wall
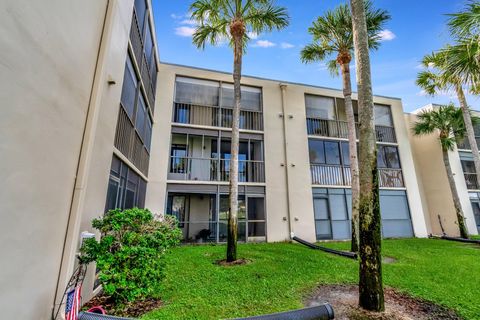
(299,196)
(434,182)
(48,61)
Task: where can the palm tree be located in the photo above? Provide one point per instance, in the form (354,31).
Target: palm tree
(466,23)
(440,76)
(333,38)
(370,272)
(448,122)
(233,20)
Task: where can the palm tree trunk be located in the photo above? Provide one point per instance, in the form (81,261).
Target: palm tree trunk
(352,148)
(456,198)
(370,285)
(232,216)
(469,128)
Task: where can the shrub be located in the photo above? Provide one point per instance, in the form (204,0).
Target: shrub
(130,253)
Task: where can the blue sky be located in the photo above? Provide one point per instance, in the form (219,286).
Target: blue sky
(416,28)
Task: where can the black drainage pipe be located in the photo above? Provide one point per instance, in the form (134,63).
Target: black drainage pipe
(460,239)
(321,312)
(346,254)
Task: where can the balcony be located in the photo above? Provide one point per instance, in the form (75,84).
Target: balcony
(465,145)
(471,181)
(216,116)
(339,129)
(335,175)
(129,143)
(214,169)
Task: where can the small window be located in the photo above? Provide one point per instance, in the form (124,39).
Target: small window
(332,153)
(387,157)
(468,166)
(141,10)
(129,89)
(383,116)
(141,117)
(316,151)
(320,107)
(178,157)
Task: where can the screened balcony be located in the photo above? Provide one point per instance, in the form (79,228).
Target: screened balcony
(468,167)
(210,103)
(201,222)
(330,164)
(326,117)
(205,158)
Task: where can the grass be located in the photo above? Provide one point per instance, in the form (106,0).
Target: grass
(281,275)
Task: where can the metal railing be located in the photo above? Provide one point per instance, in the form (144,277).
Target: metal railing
(471,181)
(136,39)
(214,169)
(129,143)
(336,175)
(339,129)
(216,116)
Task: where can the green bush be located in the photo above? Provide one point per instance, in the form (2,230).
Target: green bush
(130,253)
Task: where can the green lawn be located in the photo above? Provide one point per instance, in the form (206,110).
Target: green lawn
(281,274)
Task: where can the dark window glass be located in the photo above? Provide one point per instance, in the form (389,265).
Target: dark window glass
(129,89)
(141,10)
(316,151)
(141,117)
(468,166)
(178,158)
(345,154)
(148,47)
(387,157)
(320,107)
(126,189)
(332,153)
(148,133)
(256,209)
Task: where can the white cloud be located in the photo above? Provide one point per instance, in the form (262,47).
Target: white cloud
(252,35)
(386,35)
(184,31)
(286,45)
(176,16)
(264,44)
(188,22)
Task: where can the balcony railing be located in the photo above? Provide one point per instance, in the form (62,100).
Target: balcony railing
(216,117)
(335,175)
(129,143)
(214,169)
(136,39)
(471,181)
(339,129)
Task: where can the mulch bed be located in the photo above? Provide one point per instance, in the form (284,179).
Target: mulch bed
(237,262)
(133,309)
(398,306)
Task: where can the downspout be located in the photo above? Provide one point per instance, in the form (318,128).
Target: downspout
(283,88)
(70,242)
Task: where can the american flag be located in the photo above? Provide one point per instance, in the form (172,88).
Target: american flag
(73,303)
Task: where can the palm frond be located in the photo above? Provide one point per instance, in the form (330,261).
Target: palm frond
(466,22)
(314,53)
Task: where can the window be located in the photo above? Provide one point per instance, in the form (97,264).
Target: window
(345,154)
(178,158)
(251,97)
(141,117)
(126,189)
(332,153)
(320,107)
(383,116)
(468,166)
(129,89)
(387,157)
(197,92)
(141,10)
(316,151)
(148,48)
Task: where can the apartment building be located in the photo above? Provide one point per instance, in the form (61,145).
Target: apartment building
(293,168)
(433,178)
(78,86)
